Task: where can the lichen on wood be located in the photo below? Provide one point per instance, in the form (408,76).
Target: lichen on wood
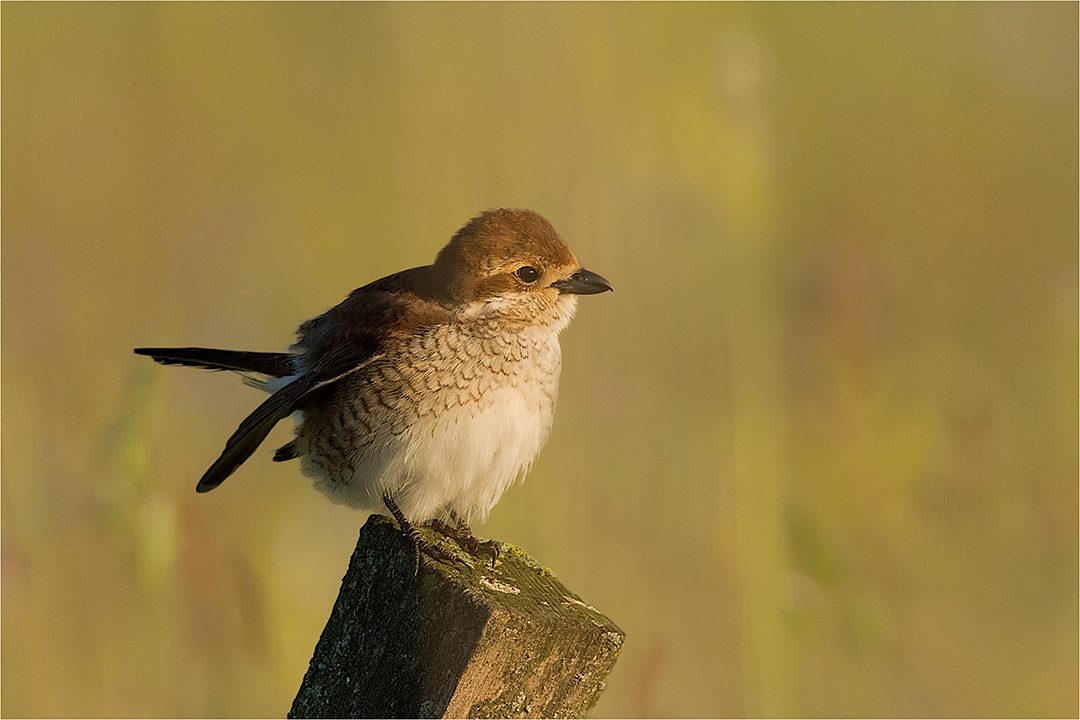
(456,640)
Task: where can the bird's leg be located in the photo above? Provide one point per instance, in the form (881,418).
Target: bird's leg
(461,533)
(418,542)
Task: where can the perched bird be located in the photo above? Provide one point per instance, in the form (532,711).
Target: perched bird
(428,391)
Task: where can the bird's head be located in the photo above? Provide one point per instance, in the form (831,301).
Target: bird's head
(512,264)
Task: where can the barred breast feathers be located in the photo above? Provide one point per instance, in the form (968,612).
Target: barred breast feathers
(463,410)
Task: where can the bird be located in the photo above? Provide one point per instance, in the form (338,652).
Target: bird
(429,391)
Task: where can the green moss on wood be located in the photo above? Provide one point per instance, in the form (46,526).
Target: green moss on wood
(459,639)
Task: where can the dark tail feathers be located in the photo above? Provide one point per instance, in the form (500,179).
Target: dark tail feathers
(253,431)
(287,452)
(272,364)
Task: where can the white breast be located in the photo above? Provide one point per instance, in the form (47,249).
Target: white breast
(463,457)
(464,460)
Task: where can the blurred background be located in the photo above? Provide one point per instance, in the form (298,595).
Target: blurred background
(817,455)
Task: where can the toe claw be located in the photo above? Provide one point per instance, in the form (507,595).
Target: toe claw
(463,536)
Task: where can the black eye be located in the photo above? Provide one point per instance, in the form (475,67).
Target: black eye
(528,274)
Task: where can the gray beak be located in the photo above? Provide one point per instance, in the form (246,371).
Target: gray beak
(582,282)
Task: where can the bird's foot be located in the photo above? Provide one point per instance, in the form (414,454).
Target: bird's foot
(462,534)
(419,544)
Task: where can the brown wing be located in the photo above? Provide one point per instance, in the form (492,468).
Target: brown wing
(332,346)
(357,329)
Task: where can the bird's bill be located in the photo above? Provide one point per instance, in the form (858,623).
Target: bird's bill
(583,282)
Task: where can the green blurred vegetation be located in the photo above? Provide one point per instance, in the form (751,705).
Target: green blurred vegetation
(817,454)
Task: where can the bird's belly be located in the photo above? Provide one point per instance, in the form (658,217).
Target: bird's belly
(447,448)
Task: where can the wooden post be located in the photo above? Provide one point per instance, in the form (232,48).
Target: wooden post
(455,640)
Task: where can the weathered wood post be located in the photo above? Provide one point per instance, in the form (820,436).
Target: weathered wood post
(455,640)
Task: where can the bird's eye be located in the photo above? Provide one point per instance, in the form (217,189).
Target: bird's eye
(528,274)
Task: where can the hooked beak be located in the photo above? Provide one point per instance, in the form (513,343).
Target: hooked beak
(582,282)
